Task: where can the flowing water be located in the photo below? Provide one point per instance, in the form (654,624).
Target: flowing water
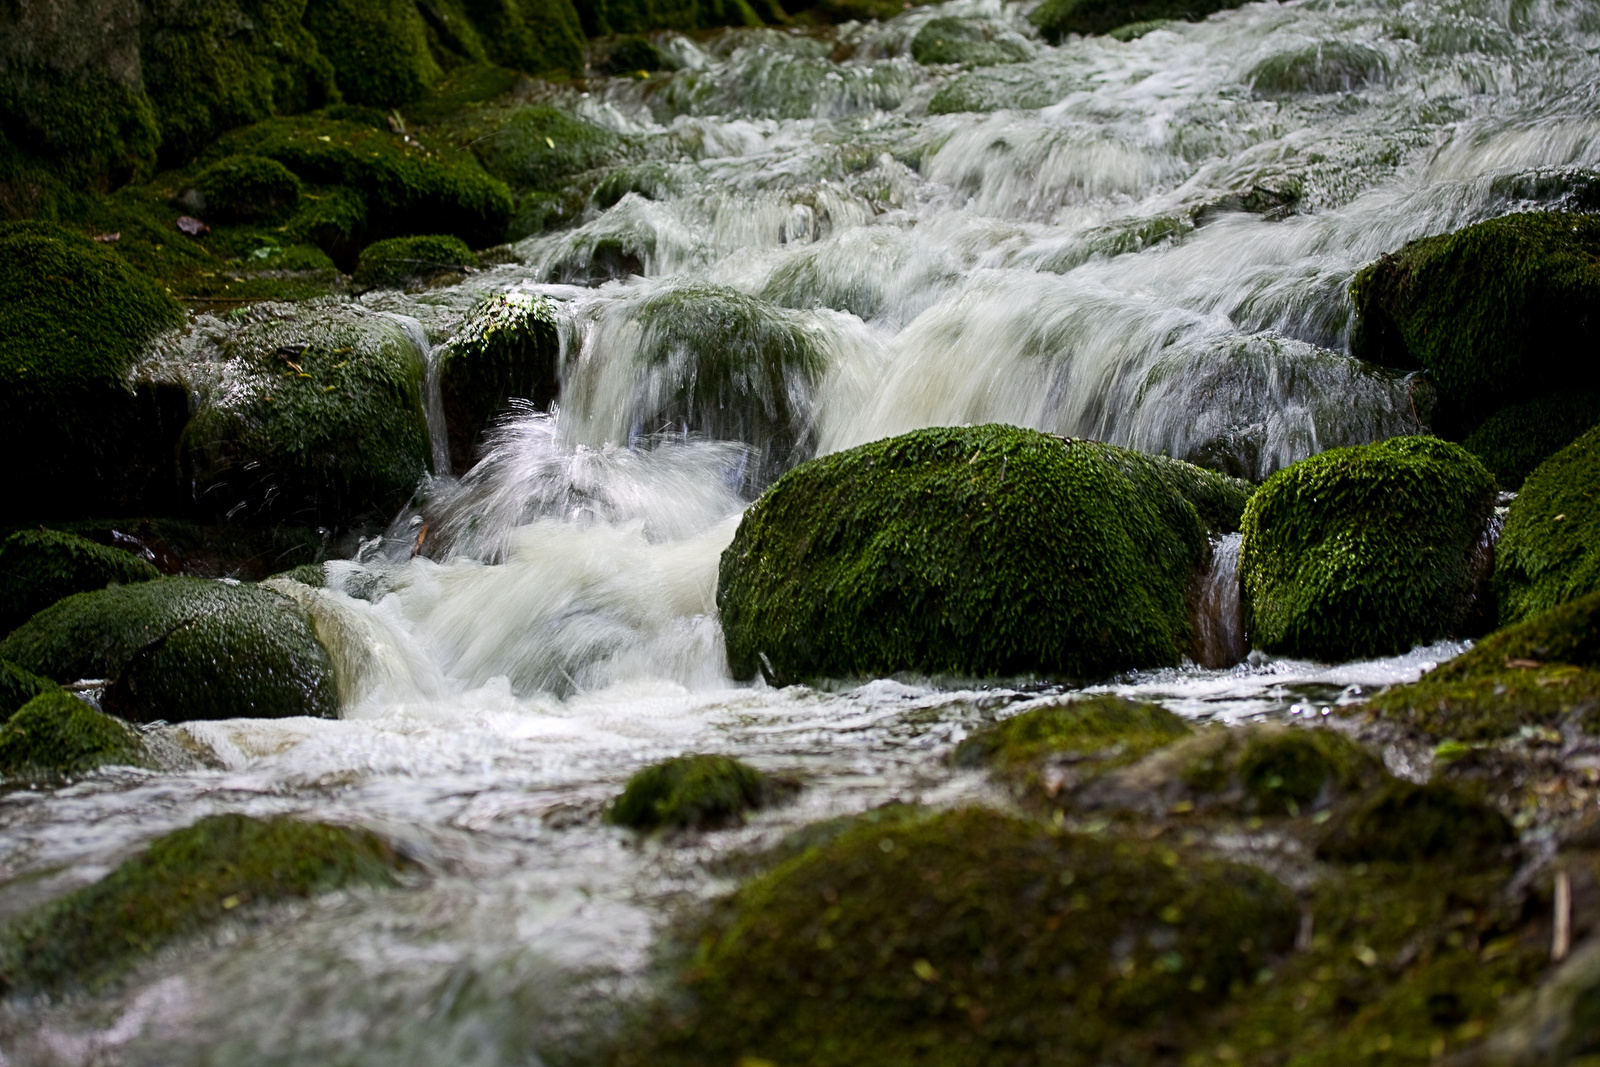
(1146,242)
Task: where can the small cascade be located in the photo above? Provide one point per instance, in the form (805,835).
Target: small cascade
(1483,607)
(1219,637)
(432,395)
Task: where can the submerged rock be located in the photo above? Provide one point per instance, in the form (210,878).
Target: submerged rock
(692,793)
(506,348)
(55,736)
(987,550)
(401,262)
(39,567)
(183,882)
(182,649)
(969,41)
(1364,551)
(1549,552)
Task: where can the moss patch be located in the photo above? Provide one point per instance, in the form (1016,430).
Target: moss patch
(1364,551)
(506,348)
(55,735)
(989,550)
(691,793)
(245,188)
(1569,633)
(1057,18)
(183,882)
(601,18)
(540,147)
(182,649)
(1407,823)
(1318,67)
(1515,440)
(39,567)
(1498,313)
(1549,552)
(956,40)
(18,686)
(403,261)
(378,48)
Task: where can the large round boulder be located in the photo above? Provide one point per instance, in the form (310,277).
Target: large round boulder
(1549,552)
(1365,551)
(181,649)
(39,567)
(986,550)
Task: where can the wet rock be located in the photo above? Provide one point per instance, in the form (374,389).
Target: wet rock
(984,551)
(185,881)
(405,262)
(539,147)
(969,41)
(629,53)
(39,567)
(18,686)
(247,188)
(57,736)
(182,649)
(1057,18)
(1498,313)
(1549,552)
(1364,551)
(1403,822)
(1317,67)
(693,793)
(378,49)
(506,348)
(1515,440)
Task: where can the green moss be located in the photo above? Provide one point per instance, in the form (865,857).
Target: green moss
(1493,704)
(539,147)
(39,567)
(182,649)
(245,188)
(18,686)
(629,53)
(185,881)
(401,261)
(73,318)
(55,735)
(1515,440)
(312,574)
(1498,313)
(378,48)
(1569,633)
(537,36)
(691,793)
(1407,823)
(1110,729)
(1364,551)
(321,420)
(1549,551)
(89,123)
(601,18)
(1135,30)
(1057,18)
(507,347)
(180,546)
(1318,67)
(957,40)
(988,550)
(1285,772)
(972,937)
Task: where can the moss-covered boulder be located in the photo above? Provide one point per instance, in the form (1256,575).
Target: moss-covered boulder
(1318,67)
(692,792)
(247,188)
(318,417)
(536,36)
(970,938)
(185,881)
(73,320)
(400,262)
(969,41)
(507,348)
(1515,440)
(39,567)
(1549,551)
(1364,551)
(378,48)
(1057,18)
(1499,313)
(1406,823)
(55,736)
(600,18)
(182,649)
(987,550)
(18,686)
(539,147)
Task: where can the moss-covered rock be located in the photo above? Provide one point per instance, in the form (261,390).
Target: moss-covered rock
(39,567)
(970,41)
(1403,822)
(73,319)
(1549,551)
(1364,551)
(55,735)
(1057,18)
(1568,633)
(692,793)
(400,262)
(1318,67)
(536,36)
(629,53)
(971,938)
(1499,313)
(1515,440)
(539,147)
(987,550)
(246,188)
(182,649)
(602,18)
(378,48)
(319,418)
(183,882)
(506,348)
(18,686)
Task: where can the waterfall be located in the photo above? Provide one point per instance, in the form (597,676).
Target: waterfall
(1219,637)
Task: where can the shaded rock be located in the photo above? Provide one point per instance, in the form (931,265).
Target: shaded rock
(39,567)
(957,40)
(378,48)
(1057,18)
(1407,823)
(506,348)
(246,188)
(693,793)
(1549,551)
(402,262)
(56,736)
(1515,440)
(603,17)
(629,53)
(539,147)
(18,686)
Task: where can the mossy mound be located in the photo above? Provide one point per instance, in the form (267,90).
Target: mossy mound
(537,36)
(972,938)
(506,348)
(183,882)
(540,147)
(956,40)
(1057,18)
(378,48)
(321,419)
(1549,551)
(1364,551)
(1569,633)
(1318,67)
(629,53)
(987,550)
(73,319)
(1499,313)
(692,793)
(18,686)
(1515,440)
(601,18)
(1407,823)
(39,567)
(55,735)
(247,188)
(182,649)
(400,262)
